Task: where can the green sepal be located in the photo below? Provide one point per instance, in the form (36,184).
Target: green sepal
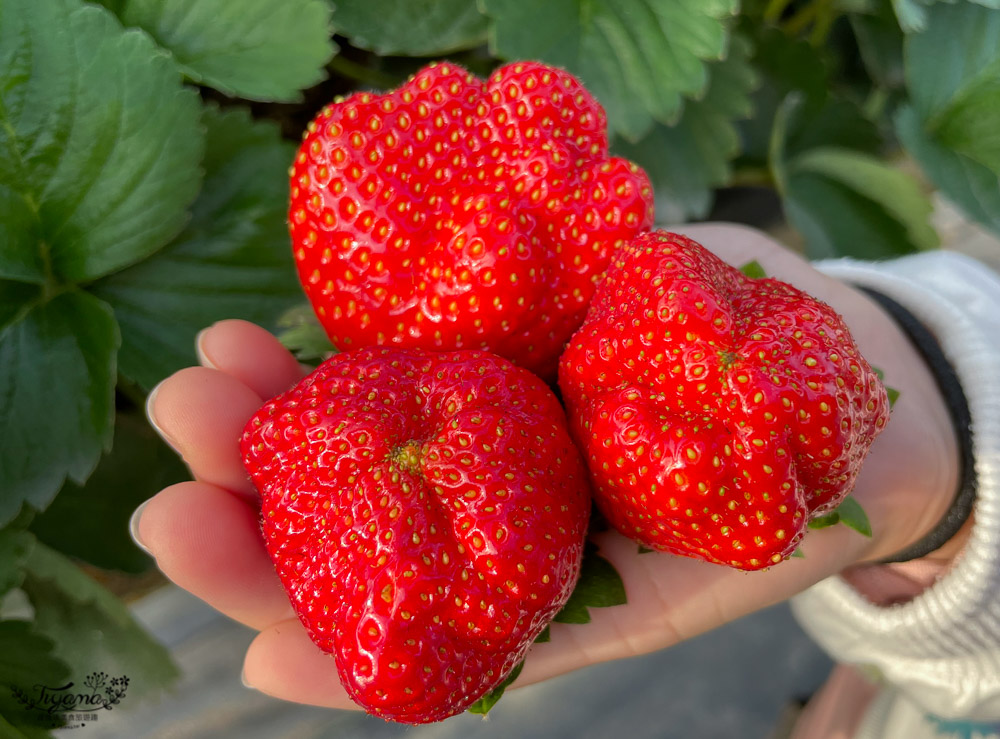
(850,513)
(753,270)
(484,704)
(599,586)
(300,332)
(853,516)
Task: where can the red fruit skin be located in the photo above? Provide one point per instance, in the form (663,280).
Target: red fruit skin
(718,414)
(454,213)
(426,514)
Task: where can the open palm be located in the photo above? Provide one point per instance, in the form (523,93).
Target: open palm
(206,538)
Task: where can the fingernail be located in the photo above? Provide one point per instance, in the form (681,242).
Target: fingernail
(133,528)
(151,416)
(243,679)
(199,349)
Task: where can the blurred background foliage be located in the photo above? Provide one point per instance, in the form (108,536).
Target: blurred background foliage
(143,154)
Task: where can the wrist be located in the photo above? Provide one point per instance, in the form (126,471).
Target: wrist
(910,479)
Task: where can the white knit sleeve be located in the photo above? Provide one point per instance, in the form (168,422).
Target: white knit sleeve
(942,648)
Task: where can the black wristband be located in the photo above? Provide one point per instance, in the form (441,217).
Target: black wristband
(958,407)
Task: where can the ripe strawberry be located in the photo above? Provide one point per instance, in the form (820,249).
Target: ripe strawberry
(426,514)
(454,213)
(718,413)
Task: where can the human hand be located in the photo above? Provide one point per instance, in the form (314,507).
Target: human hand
(205,534)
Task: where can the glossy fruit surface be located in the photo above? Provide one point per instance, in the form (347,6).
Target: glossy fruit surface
(454,213)
(718,414)
(426,513)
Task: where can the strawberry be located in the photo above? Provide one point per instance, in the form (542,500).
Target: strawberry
(718,414)
(426,513)
(454,213)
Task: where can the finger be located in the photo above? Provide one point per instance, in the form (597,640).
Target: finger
(283,662)
(201,413)
(251,355)
(208,542)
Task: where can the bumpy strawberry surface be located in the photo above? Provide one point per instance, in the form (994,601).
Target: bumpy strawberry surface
(455,213)
(426,514)
(718,413)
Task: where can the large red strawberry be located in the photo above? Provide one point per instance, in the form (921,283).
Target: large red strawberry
(454,213)
(718,413)
(426,513)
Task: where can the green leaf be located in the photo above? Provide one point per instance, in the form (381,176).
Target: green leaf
(853,516)
(15,298)
(90,522)
(9,731)
(797,554)
(850,513)
(893,394)
(837,221)
(968,184)
(91,628)
(880,43)
(301,333)
(960,45)
(640,58)
(971,124)
(644,550)
(894,191)
(953,78)
(255,49)
(913,14)
(823,522)
(753,270)
(599,586)
(234,260)
(411,27)
(686,160)
(57,379)
(15,546)
(26,662)
(484,704)
(846,203)
(790,66)
(99,143)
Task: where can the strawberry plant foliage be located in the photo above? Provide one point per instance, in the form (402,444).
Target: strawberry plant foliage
(411,27)
(949,123)
(687,159)
(90,626)
(98,161)
(27,660)
(640,58)
(62,411)
(86,522)
(232,258)
(254,49)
